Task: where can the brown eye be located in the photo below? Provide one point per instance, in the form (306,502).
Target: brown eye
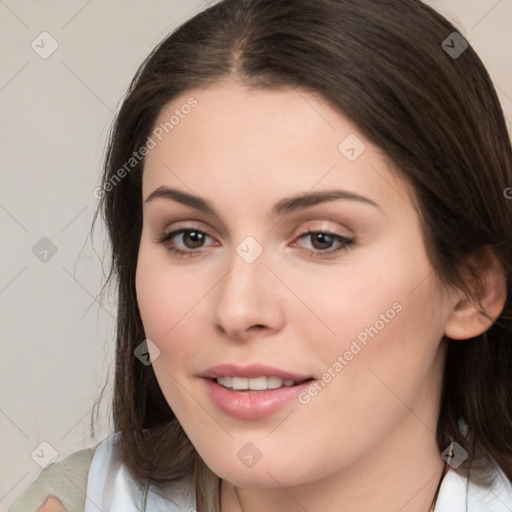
(322,241)
(193,239)
(184,242)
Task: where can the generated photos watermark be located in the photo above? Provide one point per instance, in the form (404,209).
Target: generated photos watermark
(151,142)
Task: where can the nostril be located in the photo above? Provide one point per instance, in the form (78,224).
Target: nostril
(257,327)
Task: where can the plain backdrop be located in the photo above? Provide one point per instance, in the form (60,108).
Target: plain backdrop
(56,330)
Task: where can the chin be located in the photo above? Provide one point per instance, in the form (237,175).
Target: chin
(271,473)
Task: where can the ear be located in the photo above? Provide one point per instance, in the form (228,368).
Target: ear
(472,316)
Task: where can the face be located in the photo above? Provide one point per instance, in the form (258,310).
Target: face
(274,234)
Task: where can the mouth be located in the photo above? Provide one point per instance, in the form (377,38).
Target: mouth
(256,384)
(253,392)
(253,398)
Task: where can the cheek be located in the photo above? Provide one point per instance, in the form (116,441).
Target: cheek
(167,303)
(368,292)
(171,304)
(383,309)
(161,295)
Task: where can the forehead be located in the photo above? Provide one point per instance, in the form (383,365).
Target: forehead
(260,143)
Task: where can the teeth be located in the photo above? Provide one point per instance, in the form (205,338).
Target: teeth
(225,381)
(255,384)
(240,383)
(274,382)
(258,383)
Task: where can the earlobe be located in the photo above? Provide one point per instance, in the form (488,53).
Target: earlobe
(472,316)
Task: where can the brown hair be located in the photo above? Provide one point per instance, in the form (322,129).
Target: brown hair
(436,116)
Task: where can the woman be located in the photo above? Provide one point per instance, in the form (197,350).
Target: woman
(312,240)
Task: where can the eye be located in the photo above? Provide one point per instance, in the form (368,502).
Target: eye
(191,239)
(322,242)
(187,242)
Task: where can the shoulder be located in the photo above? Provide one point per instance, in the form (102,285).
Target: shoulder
(60,487)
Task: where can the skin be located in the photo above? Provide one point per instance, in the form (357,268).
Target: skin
(367,440)
(52,505)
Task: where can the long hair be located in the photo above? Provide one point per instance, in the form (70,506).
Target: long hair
(386,65)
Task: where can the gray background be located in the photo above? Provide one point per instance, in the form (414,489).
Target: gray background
(57,331)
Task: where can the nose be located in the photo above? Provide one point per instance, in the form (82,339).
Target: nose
(248,299)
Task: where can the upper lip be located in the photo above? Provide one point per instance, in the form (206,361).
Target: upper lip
(251,371)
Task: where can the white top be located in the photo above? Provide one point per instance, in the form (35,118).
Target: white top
(456,496)
(109,487)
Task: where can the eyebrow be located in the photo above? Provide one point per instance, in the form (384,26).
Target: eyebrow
(283,207)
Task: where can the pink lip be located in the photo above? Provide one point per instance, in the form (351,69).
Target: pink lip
(252,405)
(251,371)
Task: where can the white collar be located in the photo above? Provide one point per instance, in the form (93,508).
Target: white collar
(457,495)
(110,487)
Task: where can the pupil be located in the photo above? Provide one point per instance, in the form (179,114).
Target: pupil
(327,239)
(191,235)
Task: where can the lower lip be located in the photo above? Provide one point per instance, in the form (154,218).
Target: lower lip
(248,405)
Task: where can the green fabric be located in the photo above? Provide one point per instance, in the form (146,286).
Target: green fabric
(65,480)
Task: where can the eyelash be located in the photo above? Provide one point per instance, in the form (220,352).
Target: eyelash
(164,238)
